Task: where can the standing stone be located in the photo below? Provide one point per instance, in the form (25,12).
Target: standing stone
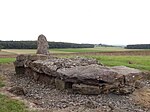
(42,45)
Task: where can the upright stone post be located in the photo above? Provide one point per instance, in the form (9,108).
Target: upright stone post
(42,45)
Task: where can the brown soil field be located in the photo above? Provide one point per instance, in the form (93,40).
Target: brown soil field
(110,53)
(8,56)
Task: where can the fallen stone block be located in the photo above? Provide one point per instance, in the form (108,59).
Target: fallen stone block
(59,84)
(47,80)
(86,89)
(19,63)
(20,70)
(37,57)
(22,57)
(17,91)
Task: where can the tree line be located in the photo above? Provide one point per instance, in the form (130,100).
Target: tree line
(106,45)
(138,46)
(33,45)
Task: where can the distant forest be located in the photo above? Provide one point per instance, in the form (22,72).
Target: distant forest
(106,45)
(33,45)
(138,46)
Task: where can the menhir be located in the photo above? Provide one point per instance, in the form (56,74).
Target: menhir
(42,45)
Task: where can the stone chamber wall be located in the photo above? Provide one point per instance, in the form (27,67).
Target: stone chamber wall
(80,75)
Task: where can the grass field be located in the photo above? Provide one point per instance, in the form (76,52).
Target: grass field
(67,50)
(96,49)
(139,62)
(126,59)
(6,60)
(10,105)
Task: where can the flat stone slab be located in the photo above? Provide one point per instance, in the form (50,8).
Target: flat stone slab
(53,65)
(125,70)
(96,74)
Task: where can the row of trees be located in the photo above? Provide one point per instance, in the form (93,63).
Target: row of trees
(138,46)
(33,45)
(106,45)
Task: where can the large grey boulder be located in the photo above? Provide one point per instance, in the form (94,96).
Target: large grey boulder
(23,61)
(42,45)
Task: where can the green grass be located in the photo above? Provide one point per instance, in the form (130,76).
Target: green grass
(138,62)
(6,60)
(9,105)
(96,49)
(67,50)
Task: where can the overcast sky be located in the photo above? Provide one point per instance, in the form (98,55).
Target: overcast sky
(114,22)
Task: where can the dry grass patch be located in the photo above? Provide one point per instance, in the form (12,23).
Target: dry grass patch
(1,81)
(142,97)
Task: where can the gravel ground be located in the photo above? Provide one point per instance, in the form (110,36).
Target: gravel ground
(48,97)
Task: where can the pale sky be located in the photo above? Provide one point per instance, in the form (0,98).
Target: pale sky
(114,22)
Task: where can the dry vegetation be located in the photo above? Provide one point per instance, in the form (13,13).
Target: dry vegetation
(142,97)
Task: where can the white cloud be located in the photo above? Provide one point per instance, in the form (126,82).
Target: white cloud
(80,21)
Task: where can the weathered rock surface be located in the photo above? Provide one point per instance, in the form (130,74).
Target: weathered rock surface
(86,89)
(17,90)
(119,80)
(52,65)
(47,64)
(82,75)
(42,45)
(96,74)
